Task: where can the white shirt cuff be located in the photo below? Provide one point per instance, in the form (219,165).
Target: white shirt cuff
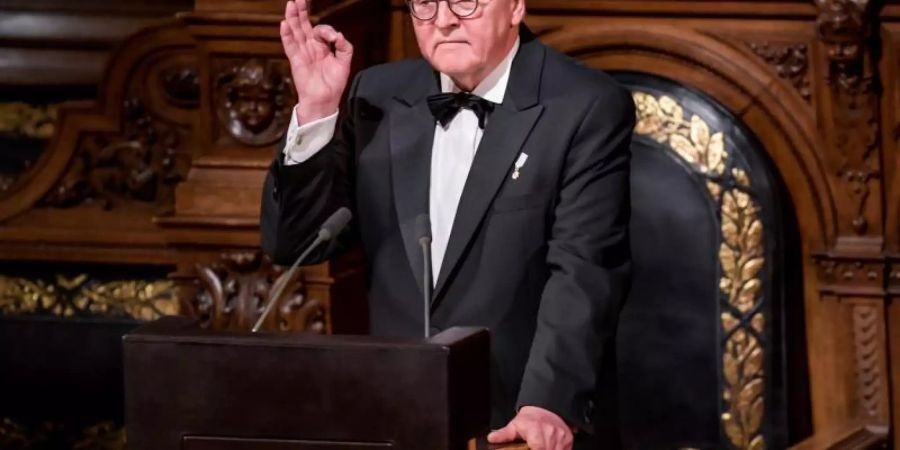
(304,141)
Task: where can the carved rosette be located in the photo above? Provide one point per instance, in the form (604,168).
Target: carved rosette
(741,259)
(790,60)
(232,292)
(253,99)
(845,29)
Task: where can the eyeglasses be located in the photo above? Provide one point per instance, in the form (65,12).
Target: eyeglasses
(427,9)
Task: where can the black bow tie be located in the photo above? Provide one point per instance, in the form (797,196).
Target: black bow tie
(445,106)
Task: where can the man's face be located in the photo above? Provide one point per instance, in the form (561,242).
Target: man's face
(473,45)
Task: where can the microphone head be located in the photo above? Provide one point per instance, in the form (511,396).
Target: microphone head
(335,223)
(423,228)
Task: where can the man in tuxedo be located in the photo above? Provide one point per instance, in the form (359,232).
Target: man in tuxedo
(520,157)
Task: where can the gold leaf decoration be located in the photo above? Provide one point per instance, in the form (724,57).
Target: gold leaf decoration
(143,300)
(22,119)
(741,258)
(105,435)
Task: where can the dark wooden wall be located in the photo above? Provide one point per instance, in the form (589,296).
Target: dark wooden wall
(152,175)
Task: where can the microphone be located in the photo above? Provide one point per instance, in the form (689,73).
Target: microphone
(329,230)
(423,231)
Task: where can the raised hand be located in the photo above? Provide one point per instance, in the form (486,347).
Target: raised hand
(320,62)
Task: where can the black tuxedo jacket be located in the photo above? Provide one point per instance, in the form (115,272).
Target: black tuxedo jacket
(542,260)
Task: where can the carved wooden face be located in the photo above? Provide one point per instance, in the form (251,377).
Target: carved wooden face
(254,106)
(253,100)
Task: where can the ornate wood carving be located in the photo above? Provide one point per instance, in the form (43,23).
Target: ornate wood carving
(866,337)
(254,99)
(845,28)
(847,275)
(231,294)
(791,62)
(144,162)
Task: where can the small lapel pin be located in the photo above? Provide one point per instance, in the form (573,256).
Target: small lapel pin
(519,163)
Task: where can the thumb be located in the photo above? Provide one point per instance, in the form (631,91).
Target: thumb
(505,434)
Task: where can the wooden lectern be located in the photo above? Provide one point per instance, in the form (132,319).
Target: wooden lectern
(193,389)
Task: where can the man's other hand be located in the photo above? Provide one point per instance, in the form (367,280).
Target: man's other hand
(541,429)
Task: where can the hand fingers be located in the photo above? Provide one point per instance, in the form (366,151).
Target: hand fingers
(293,20)
(324,36)
(287,38)
(505,434)
(325,33)
(343,50)
(535,438)
(551,440)
(303,16)
(557,438)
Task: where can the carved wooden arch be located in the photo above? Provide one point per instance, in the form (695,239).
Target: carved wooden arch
(103,116)
(751,91)
(783,121)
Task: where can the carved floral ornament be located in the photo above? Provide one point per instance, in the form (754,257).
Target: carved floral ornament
(791,62)
(144,162)
(741,257)
(233,291)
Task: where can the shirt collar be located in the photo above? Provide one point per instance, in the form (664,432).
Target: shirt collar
(493,87)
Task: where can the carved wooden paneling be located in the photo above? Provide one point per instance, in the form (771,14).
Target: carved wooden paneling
(852,110)
(790,61)
(231,292)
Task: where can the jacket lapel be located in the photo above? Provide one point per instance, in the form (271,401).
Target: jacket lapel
(411,138)
(507,129)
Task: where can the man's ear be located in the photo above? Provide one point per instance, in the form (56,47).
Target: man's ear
(518,13)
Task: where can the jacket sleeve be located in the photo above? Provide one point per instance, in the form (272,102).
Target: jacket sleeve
(590,264)
(297,198)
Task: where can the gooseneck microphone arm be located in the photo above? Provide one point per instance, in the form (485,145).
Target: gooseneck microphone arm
(330,229)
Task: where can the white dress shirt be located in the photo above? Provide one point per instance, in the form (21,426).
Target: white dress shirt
(452,152)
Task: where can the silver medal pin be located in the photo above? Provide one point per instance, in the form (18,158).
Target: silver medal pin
(519,163)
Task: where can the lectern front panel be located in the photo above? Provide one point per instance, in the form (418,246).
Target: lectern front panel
(241,390)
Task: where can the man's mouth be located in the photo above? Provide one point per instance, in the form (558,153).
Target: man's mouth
(451,42)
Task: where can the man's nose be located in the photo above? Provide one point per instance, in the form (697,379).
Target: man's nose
(445,18)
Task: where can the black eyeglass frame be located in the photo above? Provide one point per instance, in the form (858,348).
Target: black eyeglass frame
(450,3)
